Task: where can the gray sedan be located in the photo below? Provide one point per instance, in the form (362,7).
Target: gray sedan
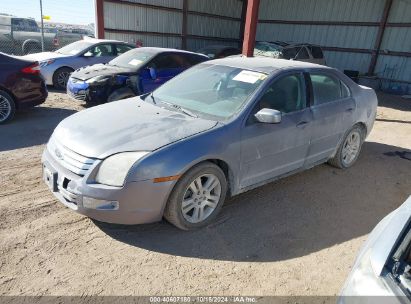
(220,128)
(57,66)
(382,271)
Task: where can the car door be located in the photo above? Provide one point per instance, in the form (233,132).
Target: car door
(163,68)
(272,150)
(100,53)
(333,108)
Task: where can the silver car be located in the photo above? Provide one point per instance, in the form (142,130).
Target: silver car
(220,128)
(57,66)
(382,271)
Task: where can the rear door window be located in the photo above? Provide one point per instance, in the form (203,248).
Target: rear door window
(327,89)
(122,48)
(316,52)
(102,50)
(303,54)
(170,61)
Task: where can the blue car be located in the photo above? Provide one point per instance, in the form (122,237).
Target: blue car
(132,74)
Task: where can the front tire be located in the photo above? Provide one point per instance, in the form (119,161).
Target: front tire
(349,149)
(7,107)
(197,198)
(61,77)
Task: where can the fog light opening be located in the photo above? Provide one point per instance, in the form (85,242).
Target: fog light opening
(92,203)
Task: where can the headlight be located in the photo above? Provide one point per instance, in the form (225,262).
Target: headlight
(98,79)
(114,169)
(45,63)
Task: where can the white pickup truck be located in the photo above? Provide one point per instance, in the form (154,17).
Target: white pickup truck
(23,36)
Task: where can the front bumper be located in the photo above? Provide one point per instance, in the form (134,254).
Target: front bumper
(138,202)
(80,90)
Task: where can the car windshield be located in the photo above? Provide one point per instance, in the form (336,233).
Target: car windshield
(132,59)
(267,49)
(213,91)
(75,48)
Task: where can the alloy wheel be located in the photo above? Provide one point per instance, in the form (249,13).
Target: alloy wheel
(351,148)
(5,108)
(63,78)
(201,198)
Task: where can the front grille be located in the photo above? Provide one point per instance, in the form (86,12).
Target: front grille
(81,95)
(69,159)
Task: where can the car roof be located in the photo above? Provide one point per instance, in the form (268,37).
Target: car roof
(264,64)
(96,40)
(218,47)
(158,50)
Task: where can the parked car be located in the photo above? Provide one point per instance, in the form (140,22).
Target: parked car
(65,37)
(221,128)
(219,51)
(21,86)
(382,270)
(282,50)
(131,74)
(57,66)
(22,36)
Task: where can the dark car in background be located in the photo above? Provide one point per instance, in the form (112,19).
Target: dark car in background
(134,73)
(291,51)
(21,86)
(219,51)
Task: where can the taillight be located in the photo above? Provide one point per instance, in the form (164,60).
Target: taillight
(56,42)
(32,69)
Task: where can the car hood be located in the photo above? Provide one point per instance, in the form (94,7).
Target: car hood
(126,125)
(99,70)
(43,56)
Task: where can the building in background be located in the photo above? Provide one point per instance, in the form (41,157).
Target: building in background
(372,37)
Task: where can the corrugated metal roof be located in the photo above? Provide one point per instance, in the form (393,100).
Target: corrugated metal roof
(348,61)
(124,17)
(322,10)
(148,40)
(400,11)
(207,26)
(196,44)
(335,36)
(166,3)
(397,39)
(230,8)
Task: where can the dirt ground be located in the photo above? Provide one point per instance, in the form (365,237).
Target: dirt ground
(297,236)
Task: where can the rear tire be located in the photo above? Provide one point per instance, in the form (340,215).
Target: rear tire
(61,77)
(197,198)
(7,107)
(349,149)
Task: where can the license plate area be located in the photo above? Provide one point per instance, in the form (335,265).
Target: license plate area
(50,178)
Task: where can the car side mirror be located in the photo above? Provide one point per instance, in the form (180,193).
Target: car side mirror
(153,73)
(88,54)
(269,116)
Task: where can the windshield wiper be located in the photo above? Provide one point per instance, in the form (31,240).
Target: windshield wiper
(153,99)
(181,109)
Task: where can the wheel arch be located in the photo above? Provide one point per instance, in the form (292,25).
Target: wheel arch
(11,95)
(223,165)
(63,67)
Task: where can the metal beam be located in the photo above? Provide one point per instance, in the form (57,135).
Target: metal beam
(242,22)
(250,29)
(99,7)
(184,25)
(380,36)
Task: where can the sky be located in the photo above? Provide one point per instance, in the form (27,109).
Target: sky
(64,11)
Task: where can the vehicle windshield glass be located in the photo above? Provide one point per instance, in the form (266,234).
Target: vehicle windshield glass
(132,59)
(212,91)
(75,48)
(267,49)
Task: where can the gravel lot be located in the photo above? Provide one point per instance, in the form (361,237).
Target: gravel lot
(297,236)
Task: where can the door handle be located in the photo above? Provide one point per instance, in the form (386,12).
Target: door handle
(302,124)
